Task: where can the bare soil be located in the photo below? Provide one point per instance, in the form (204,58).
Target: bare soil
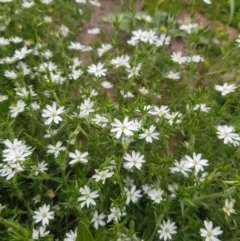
(107,7)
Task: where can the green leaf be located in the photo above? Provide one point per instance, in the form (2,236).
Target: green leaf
(122,20)
(160,17)
(102,235)
(4,108)
(83,233)
(19,232)
(232,10)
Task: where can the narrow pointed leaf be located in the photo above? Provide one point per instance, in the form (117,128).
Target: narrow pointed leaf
(83,233)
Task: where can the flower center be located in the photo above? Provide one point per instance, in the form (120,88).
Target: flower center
(87,196)
(54,114)
(226,134)
(123,128)
(209,234)
(166,230)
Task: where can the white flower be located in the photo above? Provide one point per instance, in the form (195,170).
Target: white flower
(39,233)
(173,188)
(210,233)
(87,198)
(93,31)
(81,1)
(93,93)
(229,206)
(21,53)
(3,98)
(226,88)
(126,127)
(46,1)
(202,107)
(86,108)
(75,74)
(134,71)
(189,28)
(180,167)
(76,62)
(150,37)
(227,134)
(167,230)
(52,114)
(98,220)
(43,215)
(133,195)
(161,111)
(24,68)
(121,61)
(7,60)
(135,159)
(149,134)
(47,54)
(47,66)
(78,157)
(178,58)
(115,214)
(123,237)
(103,49)
(143,16)
(76,46)
(173,75)
(27,4)
(95,3)
(5,1)
(9,170)
(71,235)
(16,151)
(4,41)
(156,195)
(102,175)
(127,94)
(10,74)
(18,108)
(137,36)
(106,84)
(35,106)
(174,117)
(41,167)
(55,78)
(202,177)
(146,188)
(238,40)
(25,92)
(63,30)
(196,162)
(138,123)
(51,149)
(163,39)
(16,40)
(197,58)
(100,120)
(50,133)
(97,70)
(143,90)
(208,1)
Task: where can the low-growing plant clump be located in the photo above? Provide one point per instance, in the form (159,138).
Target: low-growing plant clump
(133,135)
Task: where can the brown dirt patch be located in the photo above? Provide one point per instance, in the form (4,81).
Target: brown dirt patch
(204,21)
(107,7)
